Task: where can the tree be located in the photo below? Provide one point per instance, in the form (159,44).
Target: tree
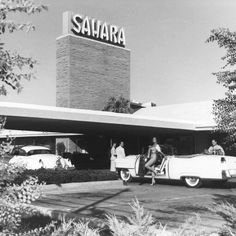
(118,105)
(15,68)
(225,109)
(15,199)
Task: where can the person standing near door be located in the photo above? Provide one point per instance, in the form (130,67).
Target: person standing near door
(120,151)
(113,157)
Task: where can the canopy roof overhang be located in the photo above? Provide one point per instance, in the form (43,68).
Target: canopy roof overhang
(68,120)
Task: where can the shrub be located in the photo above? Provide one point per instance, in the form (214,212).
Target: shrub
(71,228)
(15,198)
(228,212)
(50,176)
(192,227)
(140,223)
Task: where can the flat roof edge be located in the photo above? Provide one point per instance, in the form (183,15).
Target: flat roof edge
(88,116)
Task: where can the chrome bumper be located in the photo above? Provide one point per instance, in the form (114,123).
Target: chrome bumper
(226,174)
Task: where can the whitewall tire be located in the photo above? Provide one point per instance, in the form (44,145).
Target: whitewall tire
(193,182)
(125,175)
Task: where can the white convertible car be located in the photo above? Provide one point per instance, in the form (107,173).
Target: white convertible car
(192,169)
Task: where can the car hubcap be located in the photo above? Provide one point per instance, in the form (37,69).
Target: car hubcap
(192,181)
(125,175)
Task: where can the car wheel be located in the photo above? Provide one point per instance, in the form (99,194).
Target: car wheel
(125,175)
(193,182)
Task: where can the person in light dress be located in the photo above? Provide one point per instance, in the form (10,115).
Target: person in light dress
(113,157)
(120,151)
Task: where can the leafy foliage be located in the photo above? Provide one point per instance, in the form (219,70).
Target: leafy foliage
(72,228)
(142,223)
(11,70)
(191,228)
(226,231)
(8,174)
(15,199)
(6,146)
(225,109)
(118,105)
(60,176)
(13,67)
(140,217)
(228,212)
(139,223)
(2,122)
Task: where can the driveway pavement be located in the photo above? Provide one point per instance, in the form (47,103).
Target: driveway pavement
(170,203)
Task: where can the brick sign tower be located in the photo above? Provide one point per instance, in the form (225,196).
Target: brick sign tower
(92,63)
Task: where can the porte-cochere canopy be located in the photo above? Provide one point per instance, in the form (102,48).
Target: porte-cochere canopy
(58,119)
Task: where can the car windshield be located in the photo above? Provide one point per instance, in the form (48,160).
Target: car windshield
(18,152)
(187,156)
(38,151)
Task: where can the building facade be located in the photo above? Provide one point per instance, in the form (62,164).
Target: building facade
(92,66)
(89,71)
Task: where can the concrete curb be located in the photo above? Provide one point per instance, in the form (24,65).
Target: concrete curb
(73,187)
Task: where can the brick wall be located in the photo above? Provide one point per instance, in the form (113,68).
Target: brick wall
(89,72)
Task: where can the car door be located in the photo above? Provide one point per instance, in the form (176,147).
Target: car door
(202,166)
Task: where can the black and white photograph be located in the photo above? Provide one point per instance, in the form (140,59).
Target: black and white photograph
(117,118)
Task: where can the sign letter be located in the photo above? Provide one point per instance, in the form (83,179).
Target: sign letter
(121,37)
(104,32)
(113,33)
(95,28)
(76,20)
(86,26)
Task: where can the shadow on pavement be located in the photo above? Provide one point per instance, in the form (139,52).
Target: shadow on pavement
(94,210)
(219,185)
(142,181)
(88,204)
(206,184)
(190,209)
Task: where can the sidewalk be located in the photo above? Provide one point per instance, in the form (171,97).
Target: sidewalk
(81,187)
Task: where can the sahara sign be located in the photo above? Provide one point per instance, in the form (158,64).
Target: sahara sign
(96,30)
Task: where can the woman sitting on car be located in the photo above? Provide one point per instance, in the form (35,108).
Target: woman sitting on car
(153,152)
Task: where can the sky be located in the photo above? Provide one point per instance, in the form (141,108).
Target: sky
(170,60)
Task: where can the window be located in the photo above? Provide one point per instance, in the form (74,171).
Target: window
(18,152)
(38,151)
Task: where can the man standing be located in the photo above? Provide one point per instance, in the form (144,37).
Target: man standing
(216,149)
(120,151)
